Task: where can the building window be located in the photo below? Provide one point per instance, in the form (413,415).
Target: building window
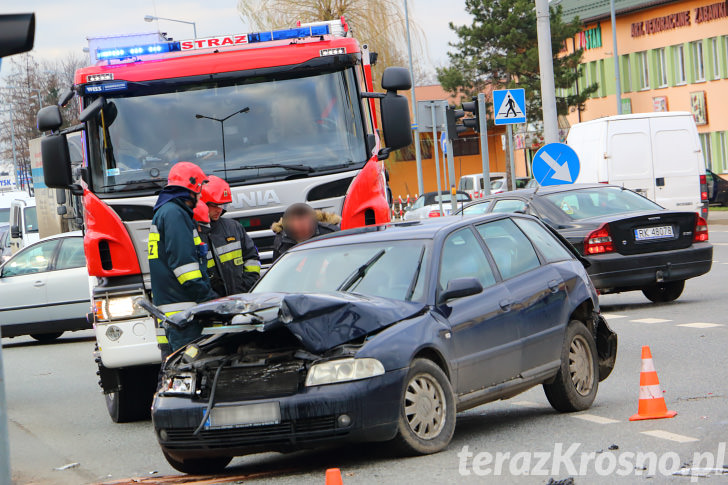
(716,57)
(707,154)
(722,157)
(679,64)
(644,70)
(661,68)
(698,60)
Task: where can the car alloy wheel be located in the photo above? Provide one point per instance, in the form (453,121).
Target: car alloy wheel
(425,406)
(581,365)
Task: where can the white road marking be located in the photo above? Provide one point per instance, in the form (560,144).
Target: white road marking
(666,435)
(718,244)
(651,320)
(700,325)
(612,316)
(595,419)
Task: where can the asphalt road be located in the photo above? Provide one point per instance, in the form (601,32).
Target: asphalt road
(58,417)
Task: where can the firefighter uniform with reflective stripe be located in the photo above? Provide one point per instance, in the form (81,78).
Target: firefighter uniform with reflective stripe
(179,279)
(233,262)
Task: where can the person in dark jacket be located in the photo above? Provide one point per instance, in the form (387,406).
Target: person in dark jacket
(233,263)
(301,223)
(179,279)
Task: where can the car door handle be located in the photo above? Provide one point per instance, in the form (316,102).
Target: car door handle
(38,284)
(554,286)
(505,305)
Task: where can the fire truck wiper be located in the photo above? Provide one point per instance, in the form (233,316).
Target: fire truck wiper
(290,168)
(155,183)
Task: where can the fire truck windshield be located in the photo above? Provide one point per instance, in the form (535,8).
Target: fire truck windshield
(278,127)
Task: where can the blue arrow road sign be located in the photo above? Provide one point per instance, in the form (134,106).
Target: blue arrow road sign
(443,143)
(556,164)
(510,106)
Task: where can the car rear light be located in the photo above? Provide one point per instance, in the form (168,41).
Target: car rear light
(703,188)
(599,241)
(700,234)
(434,214)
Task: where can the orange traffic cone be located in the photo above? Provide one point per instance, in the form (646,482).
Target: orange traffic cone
(333,477)
(652,403)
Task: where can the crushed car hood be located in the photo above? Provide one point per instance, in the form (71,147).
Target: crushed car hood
(320,321)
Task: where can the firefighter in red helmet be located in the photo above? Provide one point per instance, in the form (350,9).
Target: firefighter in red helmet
(179,279)
(232,261)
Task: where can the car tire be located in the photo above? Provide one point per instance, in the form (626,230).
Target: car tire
(577,381)
(426,410)
(664,292)
(199,466)
(133,400)
(46,337)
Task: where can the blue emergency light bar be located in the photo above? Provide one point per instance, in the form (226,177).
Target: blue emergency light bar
(295,33)
(136,50)
(107,53)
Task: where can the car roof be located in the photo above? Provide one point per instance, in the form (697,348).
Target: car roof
(399,231)
(551,189)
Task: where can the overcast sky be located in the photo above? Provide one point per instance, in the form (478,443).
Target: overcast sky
(63,25)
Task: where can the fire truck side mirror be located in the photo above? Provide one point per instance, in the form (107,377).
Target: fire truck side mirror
(396,79)
(56,161)
(49,118)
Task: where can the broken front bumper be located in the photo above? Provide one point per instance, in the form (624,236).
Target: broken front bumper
(311,417)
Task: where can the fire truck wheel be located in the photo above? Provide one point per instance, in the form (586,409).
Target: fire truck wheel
(133,400)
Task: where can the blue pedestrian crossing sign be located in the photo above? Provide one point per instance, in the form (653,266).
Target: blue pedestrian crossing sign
(555,164)
(509,106)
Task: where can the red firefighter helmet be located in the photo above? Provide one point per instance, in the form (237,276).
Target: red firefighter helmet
(201,213)
(187,175)
(217,191)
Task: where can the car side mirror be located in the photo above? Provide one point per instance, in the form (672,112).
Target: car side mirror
(15,232)
(49,118)
(396,79)
(460,288)
(56,161)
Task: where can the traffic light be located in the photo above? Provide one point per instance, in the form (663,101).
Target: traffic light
(452,116)
(472,107)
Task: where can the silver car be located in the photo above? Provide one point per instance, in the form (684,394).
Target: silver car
(428,205)
(44,289)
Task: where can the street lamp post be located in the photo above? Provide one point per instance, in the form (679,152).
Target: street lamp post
(222,131)
(151,18)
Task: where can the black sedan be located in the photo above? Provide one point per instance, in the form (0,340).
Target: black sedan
(631,242)
(717,189)
(383,334)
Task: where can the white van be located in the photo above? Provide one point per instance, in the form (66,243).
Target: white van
(23,224)
(473,183)
(655,154)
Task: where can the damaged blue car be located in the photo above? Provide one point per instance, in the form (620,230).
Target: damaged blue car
(383,334)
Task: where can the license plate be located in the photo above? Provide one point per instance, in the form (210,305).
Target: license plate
(260,414)
(647,233)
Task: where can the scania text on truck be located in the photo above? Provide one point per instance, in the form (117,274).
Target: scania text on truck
(284,116)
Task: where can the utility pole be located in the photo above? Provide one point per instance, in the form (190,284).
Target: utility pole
(615,54)
(484,154)
(418,152)
(435,155)
(546,65)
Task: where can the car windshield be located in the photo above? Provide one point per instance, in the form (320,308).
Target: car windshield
(393,270)
(599,201)
(4,215)
(434,198)
(276,126)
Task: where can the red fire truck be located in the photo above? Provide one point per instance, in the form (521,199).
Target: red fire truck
(284,116)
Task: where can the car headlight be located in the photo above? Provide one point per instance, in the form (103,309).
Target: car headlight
(182,384)
(343,370)
(117,308)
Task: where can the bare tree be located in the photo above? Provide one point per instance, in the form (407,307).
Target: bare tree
(379,23)
(30,86)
